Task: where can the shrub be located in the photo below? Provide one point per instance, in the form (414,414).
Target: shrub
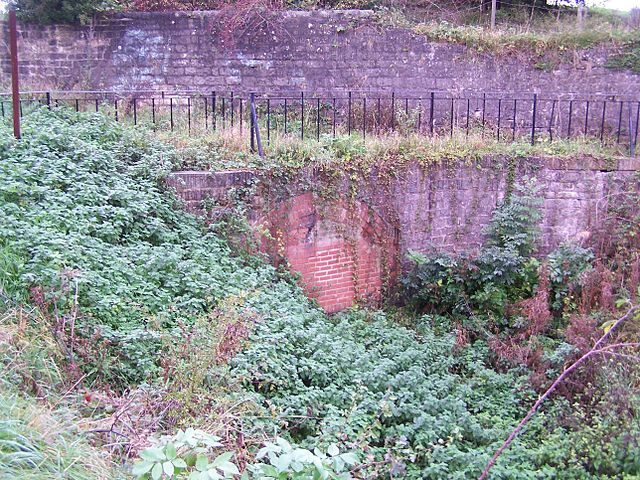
(63,11)
(502,272)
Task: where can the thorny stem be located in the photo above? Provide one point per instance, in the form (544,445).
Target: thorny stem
(596,349)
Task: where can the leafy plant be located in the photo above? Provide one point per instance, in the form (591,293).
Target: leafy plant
(502,272)
(565,265)
(186,452)
(288,462)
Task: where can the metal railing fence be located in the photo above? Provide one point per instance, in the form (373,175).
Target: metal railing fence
(613,119)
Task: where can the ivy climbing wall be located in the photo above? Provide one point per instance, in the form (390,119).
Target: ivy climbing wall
(348,244)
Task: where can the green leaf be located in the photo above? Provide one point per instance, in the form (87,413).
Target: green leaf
(156,472)
(179,463)
(350,458)
(170,451)
(153,454)
(141,468)
(168,469)
(333,450)
(202,463)
(228,468)
(225,457)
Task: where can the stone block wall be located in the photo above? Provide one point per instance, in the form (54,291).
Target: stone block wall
(350,251)
(326,53)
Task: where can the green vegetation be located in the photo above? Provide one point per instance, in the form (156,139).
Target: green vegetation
(141,332)
(229,150)
(63,11)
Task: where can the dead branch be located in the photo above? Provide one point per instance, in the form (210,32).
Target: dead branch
(595,350)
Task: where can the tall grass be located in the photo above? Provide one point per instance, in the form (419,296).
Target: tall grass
(40,436)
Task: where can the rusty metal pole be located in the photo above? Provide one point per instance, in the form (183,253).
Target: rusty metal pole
(13,42)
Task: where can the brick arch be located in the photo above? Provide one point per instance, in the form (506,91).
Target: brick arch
(345,253)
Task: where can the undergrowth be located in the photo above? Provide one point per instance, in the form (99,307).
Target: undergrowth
(144,321)
(228,150)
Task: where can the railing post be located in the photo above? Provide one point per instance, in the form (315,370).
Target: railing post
(255,129)
(49,100)
(533,119)
(431,112)
(15,85)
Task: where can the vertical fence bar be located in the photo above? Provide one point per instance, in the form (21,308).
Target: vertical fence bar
(2,108)
(171,111)
(206,114)
(285,115)
(77,105)
(268,121)
(631,146)
(97,106)
(231,109)
(240,112)
(484,109)
(213,111)
(419,126)
(533,119)
(189,115)
(499,116)
(406,107)
(252,128)
(604,113)
(586,120)
(431,112)
(135,111)
(318,119)
(153,110)
(224,111)
(620,121)
(468,114)
(302,115)
(15,79)
(49,100)
(515,122)
(255,127)
(570,117)
(349,115)
(635,137)
(334,117)
(115,103)
(553,112)
(378,116)
(393,111)
(364,118)
(451,120)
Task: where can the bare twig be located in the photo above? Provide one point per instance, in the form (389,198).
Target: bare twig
(596,349)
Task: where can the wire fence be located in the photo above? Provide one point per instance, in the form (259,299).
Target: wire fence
(612,119)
